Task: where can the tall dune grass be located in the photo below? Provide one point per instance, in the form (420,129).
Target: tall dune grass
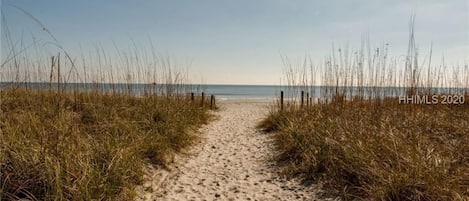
(360,141)
(89,140)
(81,128)
(87,146)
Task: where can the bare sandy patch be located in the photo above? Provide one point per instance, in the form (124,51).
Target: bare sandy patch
(233,161)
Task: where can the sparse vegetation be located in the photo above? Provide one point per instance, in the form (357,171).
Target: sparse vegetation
(87,146)
(84,129)
(361,142)
(377,151)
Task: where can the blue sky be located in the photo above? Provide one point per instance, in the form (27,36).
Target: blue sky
(240,42)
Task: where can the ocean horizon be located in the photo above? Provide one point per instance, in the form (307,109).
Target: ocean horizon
(232,91)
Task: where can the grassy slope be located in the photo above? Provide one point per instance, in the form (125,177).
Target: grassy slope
(83,146)
(377,150)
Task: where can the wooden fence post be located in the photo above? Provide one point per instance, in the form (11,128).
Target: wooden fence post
(302,98)
(307,99)
(51,72)
(192,96)
(58,73)
(203,97)
(281,100)
(212,101)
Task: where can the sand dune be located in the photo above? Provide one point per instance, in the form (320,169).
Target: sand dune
(232,162)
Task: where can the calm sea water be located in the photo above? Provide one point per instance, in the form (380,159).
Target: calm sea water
(243,91)
(232,91)
(220,91)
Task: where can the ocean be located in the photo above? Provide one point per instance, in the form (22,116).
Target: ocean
(220,91)
(235,91)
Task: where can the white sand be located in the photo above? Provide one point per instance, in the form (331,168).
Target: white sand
(232,162)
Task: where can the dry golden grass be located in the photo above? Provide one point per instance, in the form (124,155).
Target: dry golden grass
(377,150)
(87,146)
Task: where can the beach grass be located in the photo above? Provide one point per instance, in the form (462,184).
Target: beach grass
(75,145)
(360,140)
(84,128)
(377,151)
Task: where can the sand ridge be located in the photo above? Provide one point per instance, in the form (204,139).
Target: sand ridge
(232,162)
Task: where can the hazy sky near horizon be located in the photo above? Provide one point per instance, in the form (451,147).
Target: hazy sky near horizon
(240,41)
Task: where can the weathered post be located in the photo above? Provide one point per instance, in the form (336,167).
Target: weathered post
(281,100)
(192,96)
(58,73)
(212,101)
(302,98)
(202,101)
(307,99)
(51,73)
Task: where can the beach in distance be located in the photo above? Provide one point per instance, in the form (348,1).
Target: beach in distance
(239,91)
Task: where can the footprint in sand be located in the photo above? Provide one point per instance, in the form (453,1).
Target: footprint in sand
(233,162)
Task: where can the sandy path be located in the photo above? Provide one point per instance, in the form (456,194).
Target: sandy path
(232,162)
